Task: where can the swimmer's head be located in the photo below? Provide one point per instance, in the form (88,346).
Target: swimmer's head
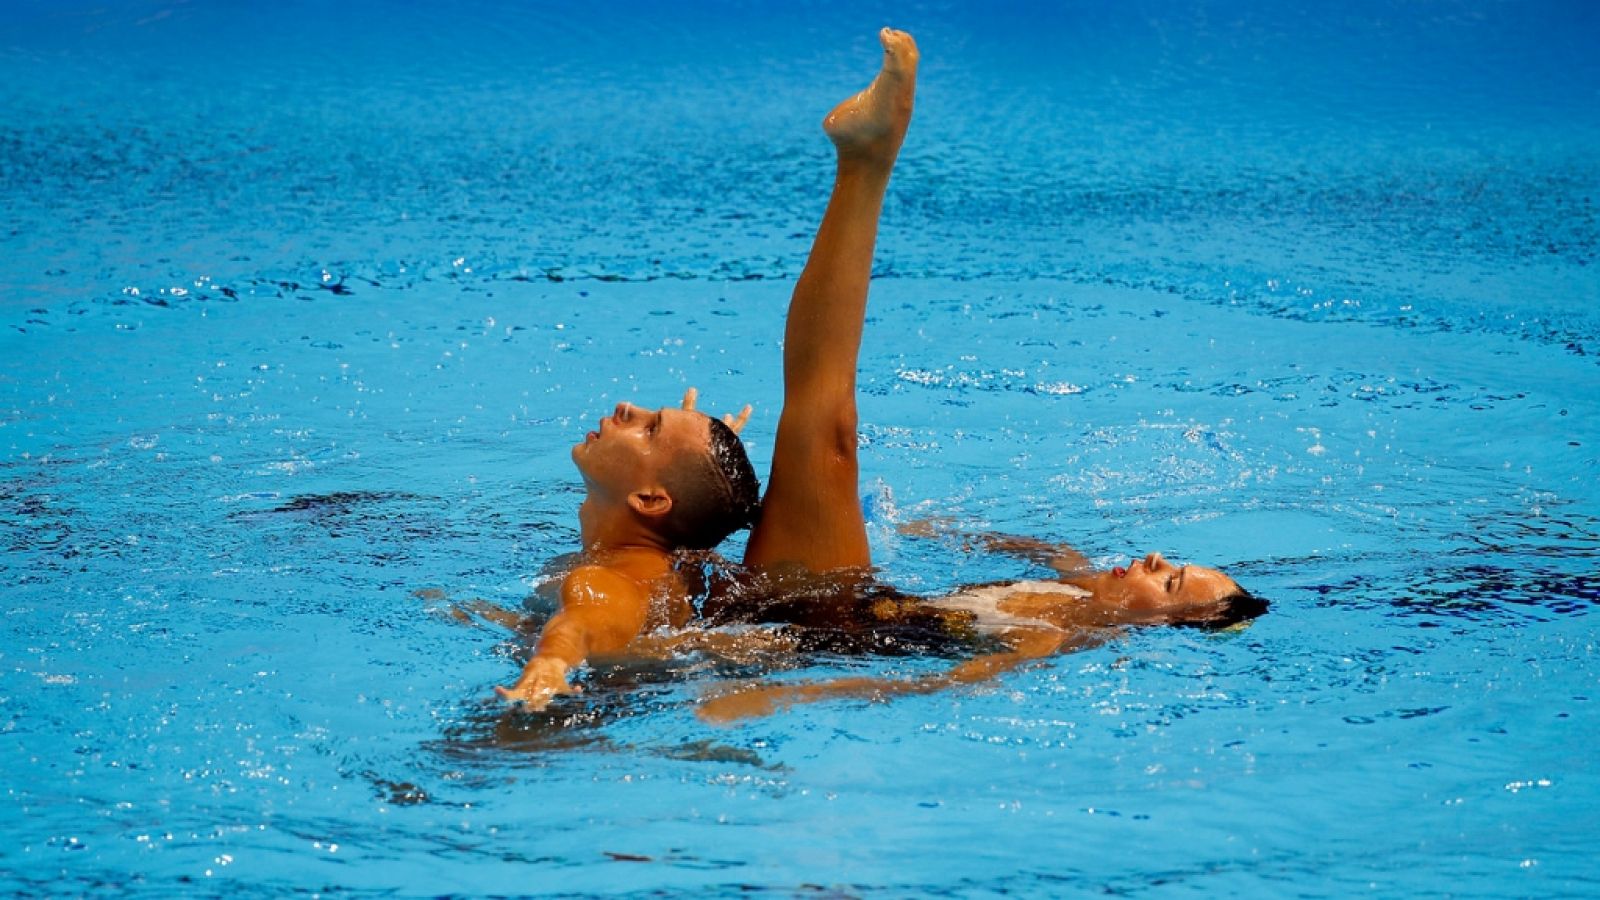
(1192,595)
(683,474)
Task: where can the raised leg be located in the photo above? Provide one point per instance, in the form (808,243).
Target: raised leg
(811,515)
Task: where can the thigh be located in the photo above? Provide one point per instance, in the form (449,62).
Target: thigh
(811,515)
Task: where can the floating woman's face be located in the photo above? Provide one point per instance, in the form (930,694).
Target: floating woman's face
(1152,583)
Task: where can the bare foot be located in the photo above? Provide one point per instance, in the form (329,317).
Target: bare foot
(871,125)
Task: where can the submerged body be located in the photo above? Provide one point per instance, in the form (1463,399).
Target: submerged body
(1005,624)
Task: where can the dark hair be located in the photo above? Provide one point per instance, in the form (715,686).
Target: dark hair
(712,495)
(1235,609)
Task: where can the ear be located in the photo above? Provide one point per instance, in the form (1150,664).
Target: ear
(650,502)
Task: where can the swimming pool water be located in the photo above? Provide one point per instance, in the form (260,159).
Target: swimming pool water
(303,309)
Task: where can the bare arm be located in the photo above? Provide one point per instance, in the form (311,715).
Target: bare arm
(1063,559)
(744,645)
(1025,644)
(602,611)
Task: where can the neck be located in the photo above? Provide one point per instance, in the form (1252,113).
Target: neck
(609,529)
(1091,582)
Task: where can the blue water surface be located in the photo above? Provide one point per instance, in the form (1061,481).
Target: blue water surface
(303,305)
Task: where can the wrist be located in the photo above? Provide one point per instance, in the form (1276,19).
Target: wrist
(543,668)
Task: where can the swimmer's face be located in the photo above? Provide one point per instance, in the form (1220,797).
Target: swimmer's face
(631,449)
(1152,583)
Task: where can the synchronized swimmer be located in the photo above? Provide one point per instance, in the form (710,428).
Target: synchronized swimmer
(663,482)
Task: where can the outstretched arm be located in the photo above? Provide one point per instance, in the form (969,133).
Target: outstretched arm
(811,515)
(601,612)
(1025,644)
(1063,559)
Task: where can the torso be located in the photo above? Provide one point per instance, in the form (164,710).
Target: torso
(851,612)
(996,607)
(672,599)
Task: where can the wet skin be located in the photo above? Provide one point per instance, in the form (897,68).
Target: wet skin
(1152,583)
(1146,591)
(627,582)
(633,447)
(811,515)
(811,518)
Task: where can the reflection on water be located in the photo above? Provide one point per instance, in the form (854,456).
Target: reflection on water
(1446,591)
(1511,568)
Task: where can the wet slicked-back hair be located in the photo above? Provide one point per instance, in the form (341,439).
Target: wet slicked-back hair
(1237,608)
(713,495)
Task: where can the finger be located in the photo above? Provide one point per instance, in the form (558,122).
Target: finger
(736,425)
(690,396)
(526,702)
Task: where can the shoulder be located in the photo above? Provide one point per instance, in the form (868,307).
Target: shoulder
(589,584)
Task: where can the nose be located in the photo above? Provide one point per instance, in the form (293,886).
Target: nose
(623,412)
(1154,562)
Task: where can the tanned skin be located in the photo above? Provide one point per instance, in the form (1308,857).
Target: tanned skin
(626,583)
(1148,591)
(811,515)
(811,522)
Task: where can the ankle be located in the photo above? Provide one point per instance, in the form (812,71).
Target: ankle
(859,165)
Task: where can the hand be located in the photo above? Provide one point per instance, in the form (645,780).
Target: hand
(928,527)
(544,678)
(735,423)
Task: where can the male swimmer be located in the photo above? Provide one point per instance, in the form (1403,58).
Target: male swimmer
(662,481)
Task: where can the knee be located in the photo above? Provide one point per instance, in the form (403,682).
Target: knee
(842,441)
